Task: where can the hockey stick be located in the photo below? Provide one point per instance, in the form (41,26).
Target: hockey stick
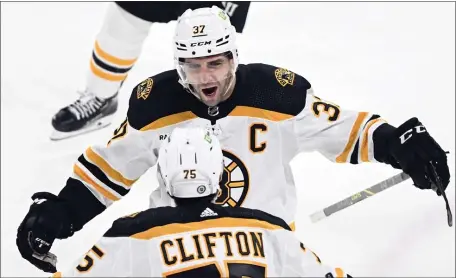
(359,196)
(440,187)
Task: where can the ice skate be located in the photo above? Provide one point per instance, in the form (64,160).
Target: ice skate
(88,113)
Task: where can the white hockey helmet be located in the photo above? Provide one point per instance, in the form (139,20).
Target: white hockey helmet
(201,33)
(190,163)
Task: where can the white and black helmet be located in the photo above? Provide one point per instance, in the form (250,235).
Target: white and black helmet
(203,32)
(190,163)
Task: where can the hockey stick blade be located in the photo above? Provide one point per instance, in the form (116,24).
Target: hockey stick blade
(440,188)
(358,197)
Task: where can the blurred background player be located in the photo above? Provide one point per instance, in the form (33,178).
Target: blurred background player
(117,47)
(198,238)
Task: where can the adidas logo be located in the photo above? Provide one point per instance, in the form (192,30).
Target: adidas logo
(208,212)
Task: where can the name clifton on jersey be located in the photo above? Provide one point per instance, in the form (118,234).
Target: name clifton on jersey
(204,245)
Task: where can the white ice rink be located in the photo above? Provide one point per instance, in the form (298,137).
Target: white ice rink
(394,59)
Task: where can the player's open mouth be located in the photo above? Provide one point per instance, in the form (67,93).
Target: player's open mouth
(210,91)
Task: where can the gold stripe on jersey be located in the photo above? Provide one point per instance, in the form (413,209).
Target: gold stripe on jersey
(112,59)
(58,274)
(292,226)
(106,168)
(365,142)
(78,171)
(353,137)
(259,113)
(226,222)
(339,273)
(170,120)
(106,75)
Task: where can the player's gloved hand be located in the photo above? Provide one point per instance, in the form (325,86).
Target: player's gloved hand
(46,220)
(415,151)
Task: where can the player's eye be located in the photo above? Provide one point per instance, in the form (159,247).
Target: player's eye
(193,66)
(215,64)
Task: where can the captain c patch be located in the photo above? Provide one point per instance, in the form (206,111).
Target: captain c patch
(284,77)
(144,88)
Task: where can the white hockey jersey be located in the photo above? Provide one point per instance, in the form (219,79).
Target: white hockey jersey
(271,116)
(202,241)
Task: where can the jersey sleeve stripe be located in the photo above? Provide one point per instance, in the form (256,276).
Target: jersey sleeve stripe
(225,222)
(354,155)
(365,140)
(101,176)
(352,138)
(245,111)
(106,168)
(170,120)
(339,273)
(84,177)
(112,59)
(292,226)
(355,158)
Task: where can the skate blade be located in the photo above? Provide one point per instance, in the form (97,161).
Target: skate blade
(96,125)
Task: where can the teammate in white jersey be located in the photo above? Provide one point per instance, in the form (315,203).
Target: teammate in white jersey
(263,117)
(198,238)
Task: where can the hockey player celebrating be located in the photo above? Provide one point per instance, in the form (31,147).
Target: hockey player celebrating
(198,238)
(117,47)
(262,115)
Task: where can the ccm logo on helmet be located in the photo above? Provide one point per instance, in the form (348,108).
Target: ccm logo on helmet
(193,44)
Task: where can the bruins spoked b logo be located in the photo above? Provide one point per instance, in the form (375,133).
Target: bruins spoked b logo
(235,182)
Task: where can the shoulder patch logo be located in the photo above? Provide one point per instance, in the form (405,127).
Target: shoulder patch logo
(144,88)
(284,77)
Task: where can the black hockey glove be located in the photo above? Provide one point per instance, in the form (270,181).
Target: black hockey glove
(46,220)
(420,156)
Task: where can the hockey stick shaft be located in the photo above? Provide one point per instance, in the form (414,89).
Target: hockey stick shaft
(359,196)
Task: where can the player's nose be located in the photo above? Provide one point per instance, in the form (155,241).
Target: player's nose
(206,77)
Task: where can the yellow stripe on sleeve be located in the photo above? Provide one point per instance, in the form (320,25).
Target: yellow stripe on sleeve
(78,171)
(352,138)
(106,168)
(365,142)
